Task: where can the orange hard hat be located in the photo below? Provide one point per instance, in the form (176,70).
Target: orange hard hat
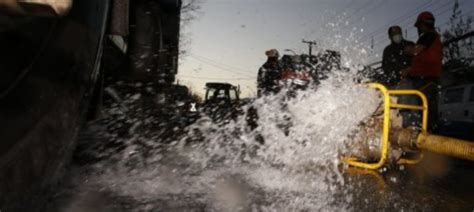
(425,17)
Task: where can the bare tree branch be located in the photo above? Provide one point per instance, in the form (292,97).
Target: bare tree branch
(190,11)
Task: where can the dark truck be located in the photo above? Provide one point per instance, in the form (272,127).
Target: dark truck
(221,101)
(52,69)
(221,94)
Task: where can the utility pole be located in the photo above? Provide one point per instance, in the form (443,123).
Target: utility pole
(310,44)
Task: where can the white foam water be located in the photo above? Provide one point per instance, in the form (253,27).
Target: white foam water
(289,162)
(227,167)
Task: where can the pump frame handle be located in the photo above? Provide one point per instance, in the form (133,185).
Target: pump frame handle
(388,106)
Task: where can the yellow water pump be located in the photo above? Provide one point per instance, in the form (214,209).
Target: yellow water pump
(409,139)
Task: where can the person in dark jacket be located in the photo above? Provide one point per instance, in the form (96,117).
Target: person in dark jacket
(394,59)
(269,74)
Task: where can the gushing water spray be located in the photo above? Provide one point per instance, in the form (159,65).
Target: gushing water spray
(297,144)
(289,161)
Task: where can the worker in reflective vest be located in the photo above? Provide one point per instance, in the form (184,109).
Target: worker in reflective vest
(426,68)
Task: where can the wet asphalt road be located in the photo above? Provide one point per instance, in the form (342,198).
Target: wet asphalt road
(436,184)
(417,188)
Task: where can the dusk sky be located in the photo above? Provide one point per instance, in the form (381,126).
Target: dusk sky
(228,40)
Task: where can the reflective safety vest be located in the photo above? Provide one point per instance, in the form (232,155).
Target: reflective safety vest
(428,63)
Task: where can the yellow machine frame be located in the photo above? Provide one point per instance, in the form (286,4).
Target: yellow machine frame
(388,106)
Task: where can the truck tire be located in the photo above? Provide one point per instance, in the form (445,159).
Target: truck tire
(46,98)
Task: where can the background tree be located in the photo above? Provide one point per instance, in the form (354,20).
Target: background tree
(458,56)
(460,52)
(190,11)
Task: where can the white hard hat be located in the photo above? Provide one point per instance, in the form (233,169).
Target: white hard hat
(272,53)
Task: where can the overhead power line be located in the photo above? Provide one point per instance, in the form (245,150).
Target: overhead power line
(337,14)
(221,67)
(407,20)
(219,63)
(437,12)
(396,20)
(359,9)
(368,10)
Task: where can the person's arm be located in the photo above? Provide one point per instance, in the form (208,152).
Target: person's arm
(380,75)
(425,41)
(260,77)
(418,48)
(385,59)
(432,56)
(413,50)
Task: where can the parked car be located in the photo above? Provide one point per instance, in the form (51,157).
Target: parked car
(456,110)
